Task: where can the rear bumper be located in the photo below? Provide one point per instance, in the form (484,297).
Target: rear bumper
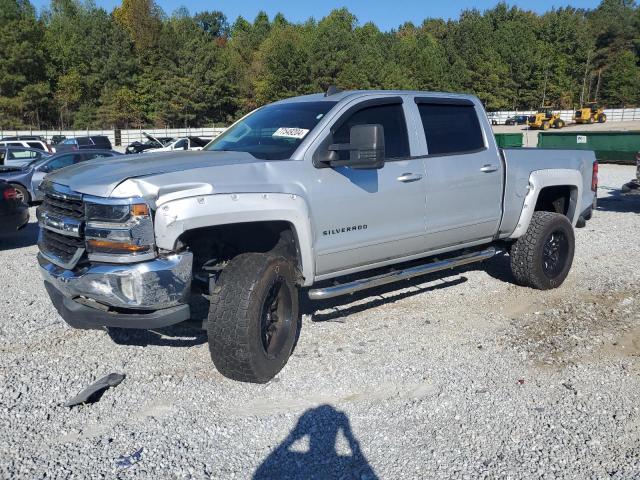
(143,295)
(14,221)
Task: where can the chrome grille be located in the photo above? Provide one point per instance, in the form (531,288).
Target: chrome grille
(61,218)
(68,207)
(60,246)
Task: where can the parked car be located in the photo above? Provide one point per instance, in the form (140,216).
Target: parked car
(36,144)
(56,139)
(23,137)
(14,213)
(300,196)
(517,120)
(152,142)
(91,142)
(183,143)
(493,117)
(18,156)
(27,179)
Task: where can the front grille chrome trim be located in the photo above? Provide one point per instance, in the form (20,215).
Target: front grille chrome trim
(61,213)
(61,263)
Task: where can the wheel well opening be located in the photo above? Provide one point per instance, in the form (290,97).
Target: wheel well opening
(214,246)
(556,199)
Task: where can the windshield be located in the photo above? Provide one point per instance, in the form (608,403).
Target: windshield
(272,132)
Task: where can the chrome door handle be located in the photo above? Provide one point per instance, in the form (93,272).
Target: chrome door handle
(409,177)
(488,168)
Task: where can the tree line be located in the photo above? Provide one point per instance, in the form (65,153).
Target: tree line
(75,65)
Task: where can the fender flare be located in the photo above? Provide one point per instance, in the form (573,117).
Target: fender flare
(540,179)
(175,217)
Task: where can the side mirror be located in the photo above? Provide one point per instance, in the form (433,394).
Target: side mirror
(365,147)
(44,168)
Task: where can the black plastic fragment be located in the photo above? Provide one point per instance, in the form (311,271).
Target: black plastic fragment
(94,392)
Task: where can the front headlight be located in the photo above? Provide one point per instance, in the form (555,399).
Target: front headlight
(119,232)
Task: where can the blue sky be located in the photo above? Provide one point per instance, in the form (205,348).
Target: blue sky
(386,14)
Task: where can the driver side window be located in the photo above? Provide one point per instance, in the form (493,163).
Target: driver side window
(391,117)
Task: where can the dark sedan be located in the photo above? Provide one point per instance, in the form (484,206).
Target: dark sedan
(516,120)
(14,214)
(27,179)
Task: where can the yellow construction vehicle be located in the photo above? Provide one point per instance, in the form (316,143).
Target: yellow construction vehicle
(545,119)
(590,113)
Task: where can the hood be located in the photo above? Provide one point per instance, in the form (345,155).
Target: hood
(100,177)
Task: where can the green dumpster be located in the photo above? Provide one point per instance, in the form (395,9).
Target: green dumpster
(508,140)
(614,147)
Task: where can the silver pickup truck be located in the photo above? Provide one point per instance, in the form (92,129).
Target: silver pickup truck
(327,194)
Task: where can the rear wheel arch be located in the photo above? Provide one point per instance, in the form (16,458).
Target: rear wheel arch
(553,190)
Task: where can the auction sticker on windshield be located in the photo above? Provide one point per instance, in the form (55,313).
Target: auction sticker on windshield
(290,132)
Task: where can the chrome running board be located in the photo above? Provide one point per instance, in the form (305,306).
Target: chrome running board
(395,276)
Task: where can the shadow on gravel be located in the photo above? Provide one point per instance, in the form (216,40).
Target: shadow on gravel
(22,238)
(321,427)
(311,307)
(619,203)
(182,335)
(499,267)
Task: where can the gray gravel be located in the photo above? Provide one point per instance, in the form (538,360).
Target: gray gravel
(456,376)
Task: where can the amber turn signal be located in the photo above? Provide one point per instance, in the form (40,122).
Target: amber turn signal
(115,247)
(139,210)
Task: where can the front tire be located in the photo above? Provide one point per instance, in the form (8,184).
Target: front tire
(542,257)
(254,317)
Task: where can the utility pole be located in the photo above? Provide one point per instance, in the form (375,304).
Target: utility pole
(584,80)
(544,88)
(595,99)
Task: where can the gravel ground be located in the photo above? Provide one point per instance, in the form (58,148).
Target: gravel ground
(462,375)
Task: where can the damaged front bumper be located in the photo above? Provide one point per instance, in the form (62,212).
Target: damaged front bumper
(149,294)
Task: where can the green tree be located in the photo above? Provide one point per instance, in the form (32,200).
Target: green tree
(23,84)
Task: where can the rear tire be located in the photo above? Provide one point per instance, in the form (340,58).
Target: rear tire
(602,118)
(542,257)
(254,317)
(559,124)
(23,193)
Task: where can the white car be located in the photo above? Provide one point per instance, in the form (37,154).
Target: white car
(37,144)
(182,143)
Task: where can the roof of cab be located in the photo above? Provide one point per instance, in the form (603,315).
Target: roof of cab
(338,96)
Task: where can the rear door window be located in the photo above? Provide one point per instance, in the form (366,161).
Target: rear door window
(184,143)
(451,128)
(36,145)
(84,141)
(21,154)
(101,142)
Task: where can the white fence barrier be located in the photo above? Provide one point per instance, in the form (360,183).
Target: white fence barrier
(126,136)
(613,114)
